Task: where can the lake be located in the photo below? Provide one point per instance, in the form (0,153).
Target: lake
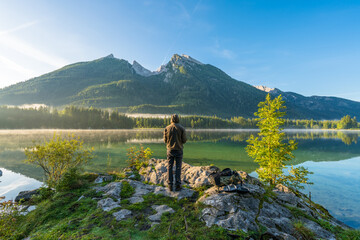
(333,156)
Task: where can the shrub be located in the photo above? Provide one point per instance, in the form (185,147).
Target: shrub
(58,156)
(70,180)
(303,232)
(8,218)
(138,157)
(126,190)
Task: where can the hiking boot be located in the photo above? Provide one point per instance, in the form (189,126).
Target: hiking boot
(171,188)
(178,188)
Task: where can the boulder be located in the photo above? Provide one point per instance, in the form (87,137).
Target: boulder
(107,204)
(248,212)
(112,189)
(156,173)
(26,195)
(160,210)
(103,178)
(122,214)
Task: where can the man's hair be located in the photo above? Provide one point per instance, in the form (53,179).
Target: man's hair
(175,118)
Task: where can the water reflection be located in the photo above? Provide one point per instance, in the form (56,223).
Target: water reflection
(322,151)
(13,183)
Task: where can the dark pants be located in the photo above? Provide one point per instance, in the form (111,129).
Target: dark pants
(174,155)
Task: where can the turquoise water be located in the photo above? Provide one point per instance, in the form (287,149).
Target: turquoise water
(333,156)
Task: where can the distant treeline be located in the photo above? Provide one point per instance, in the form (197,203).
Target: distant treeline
(91,118)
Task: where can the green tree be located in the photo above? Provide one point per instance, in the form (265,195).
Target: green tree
(269,149)
(138,157)
(58,156)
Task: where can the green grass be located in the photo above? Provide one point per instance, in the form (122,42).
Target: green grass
(61,216)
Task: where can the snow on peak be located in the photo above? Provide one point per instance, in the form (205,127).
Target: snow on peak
(264,88)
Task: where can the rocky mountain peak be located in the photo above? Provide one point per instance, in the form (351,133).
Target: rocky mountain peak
(141,70)
(110,56)
(184,60)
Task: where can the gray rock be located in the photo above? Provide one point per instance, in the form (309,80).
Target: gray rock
(103,178)
(142,189)
(318,230)
(122,214)
(26,195)
(279,235)
(156,173)
(160,211)
(107,204)
(24,210)
(112,189)
(274,210)
(230,211)
(132,176)
(136,199)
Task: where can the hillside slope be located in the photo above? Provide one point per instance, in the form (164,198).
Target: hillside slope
(183,85)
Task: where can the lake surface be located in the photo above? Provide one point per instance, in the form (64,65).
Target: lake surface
(333,156)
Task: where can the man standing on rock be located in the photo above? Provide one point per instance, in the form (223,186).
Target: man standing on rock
(174,137)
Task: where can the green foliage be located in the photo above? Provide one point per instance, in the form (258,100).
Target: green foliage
(58,156)
(348,234)
(70,180)
(347,122)
(9,217)
(303,232)
(138,157)
(297,177)
(269,148)
(126,190)
(44,194)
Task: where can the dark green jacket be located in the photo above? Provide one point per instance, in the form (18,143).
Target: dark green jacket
(174,136)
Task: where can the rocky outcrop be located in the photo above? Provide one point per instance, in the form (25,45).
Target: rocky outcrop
(112,197)
(272,211)
(156,173)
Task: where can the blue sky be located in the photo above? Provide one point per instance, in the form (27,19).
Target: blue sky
(308,47)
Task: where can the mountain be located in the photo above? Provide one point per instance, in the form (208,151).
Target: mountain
(183,85)
(317,106)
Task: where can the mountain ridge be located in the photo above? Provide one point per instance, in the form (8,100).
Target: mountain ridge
(184,85)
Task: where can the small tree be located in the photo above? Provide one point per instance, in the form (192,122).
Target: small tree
(269,148)
(138,157)
(58,156)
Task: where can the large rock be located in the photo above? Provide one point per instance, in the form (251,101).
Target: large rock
(142,189)
(26,195)
(122,214)
(112,189)
(107,204)
(156,173)
(275,210)
(160,210)
(231,211)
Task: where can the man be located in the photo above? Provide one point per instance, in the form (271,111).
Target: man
(174,137)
